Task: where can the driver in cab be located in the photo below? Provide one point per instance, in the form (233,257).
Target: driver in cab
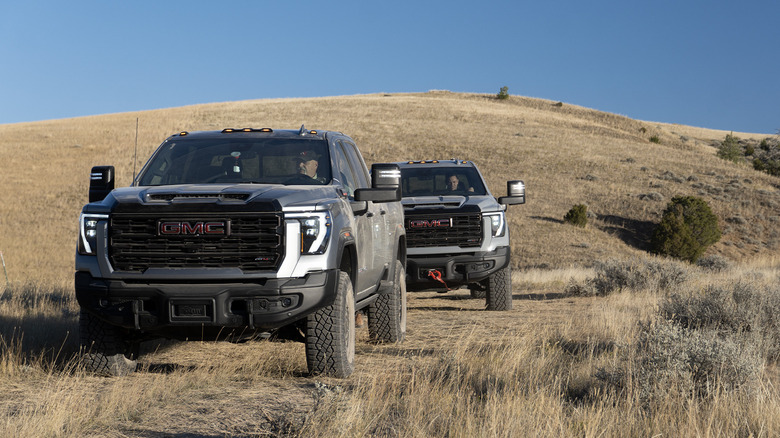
(308,162)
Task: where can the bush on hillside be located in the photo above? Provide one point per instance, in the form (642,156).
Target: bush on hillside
(615,276)
(577,216)
(688,227)
(745,310)
(714,263)
(503,93)
(730,150)
(692,362)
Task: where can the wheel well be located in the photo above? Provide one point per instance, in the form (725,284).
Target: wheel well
(347,263)
(402,250)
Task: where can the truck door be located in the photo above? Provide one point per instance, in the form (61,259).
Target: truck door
(368,272)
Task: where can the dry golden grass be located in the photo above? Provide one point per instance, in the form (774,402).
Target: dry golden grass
(462,371)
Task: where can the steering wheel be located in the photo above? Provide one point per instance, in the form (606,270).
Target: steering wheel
(214,177)
(302,180)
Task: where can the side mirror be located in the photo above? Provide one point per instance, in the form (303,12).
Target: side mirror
(515,193)
(385,184)
(101,182)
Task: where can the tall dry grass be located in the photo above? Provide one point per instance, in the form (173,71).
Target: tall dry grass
(556,365)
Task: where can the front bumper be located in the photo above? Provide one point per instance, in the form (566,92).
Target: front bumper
(186,308)
(456,270)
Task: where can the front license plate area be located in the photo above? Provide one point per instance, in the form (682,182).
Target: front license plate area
(192,310)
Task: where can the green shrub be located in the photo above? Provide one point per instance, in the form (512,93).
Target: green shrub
(655,139)
(578,216)
(750,150)
(503,93)
(729,150)
(688,227)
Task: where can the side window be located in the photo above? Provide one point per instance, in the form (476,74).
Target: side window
(357,164)
(344,172)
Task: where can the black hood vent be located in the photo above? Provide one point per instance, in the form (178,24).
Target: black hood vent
(168,197)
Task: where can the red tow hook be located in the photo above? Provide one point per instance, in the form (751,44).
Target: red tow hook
(436,275)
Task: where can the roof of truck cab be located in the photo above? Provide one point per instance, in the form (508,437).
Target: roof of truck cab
(435,163)
(258,133)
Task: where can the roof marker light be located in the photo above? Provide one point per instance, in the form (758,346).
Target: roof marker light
(183,133)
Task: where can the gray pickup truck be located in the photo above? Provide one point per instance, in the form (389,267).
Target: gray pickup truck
(240,233)
(457,233)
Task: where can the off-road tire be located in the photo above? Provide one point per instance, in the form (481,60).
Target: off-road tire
(499,290)
(387,316)
(330,334)
(105,349)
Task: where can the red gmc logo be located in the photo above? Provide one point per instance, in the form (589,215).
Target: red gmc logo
(432,223)
(175,228)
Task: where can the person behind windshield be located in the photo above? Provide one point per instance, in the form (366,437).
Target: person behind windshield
(308,162)
(454,184)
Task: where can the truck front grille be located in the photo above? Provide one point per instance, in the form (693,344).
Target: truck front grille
(462,230)
(255,242)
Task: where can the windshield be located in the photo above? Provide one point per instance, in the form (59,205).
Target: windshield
(238,160)
(440,181)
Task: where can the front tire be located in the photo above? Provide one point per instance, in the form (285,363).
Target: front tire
(105,349)
(499,290)
(387,316)
(330,334)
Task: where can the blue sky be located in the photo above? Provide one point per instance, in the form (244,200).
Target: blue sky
(713,64)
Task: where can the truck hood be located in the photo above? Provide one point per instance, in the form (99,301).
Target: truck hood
(206,197)
(485,203)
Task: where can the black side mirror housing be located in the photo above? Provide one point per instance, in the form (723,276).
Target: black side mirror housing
(515,191)
(101,182)
(385,184)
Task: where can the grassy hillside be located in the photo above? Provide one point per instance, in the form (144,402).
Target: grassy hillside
(566,154)
(637,346)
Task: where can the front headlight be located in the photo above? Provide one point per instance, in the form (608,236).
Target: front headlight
(497,224)
(88,224)
(315,230)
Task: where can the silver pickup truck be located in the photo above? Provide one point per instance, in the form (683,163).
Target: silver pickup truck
(457,231)
(239,233)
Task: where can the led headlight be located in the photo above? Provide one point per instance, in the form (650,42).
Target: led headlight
(315,230)
(497,223)
(88,224)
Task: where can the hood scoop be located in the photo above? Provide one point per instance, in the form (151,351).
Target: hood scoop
(433,202)
(172,197)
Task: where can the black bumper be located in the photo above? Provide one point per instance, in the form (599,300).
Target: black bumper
(184,309)
(455,270)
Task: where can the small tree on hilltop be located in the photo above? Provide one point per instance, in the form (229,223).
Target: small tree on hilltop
(688,227)
(503,93)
